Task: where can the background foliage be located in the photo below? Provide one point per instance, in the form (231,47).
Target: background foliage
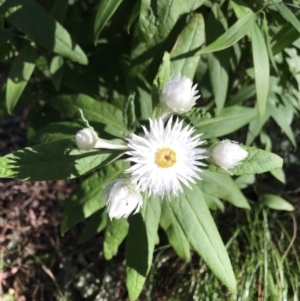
(110,58)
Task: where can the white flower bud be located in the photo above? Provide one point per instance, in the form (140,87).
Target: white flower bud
(179,95)
(227,154)
(86,139)
(123,198)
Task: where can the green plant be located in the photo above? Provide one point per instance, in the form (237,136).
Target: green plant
(236,53)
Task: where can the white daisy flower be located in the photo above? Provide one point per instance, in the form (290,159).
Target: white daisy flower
(123,198)
(165,157)
(227,154)
(178,96)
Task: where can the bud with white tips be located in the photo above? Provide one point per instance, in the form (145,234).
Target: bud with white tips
(178,95)
(227,154)
(123,198)
(86,139)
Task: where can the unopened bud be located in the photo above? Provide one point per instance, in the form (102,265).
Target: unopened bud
(179,95)
(86,139)
(123,198)
(227,154)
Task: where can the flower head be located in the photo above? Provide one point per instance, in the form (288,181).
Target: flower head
(179,95)
(227,154)
(86,139)
(123,198)
(165,157)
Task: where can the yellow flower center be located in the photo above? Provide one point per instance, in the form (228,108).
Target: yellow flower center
(165,157)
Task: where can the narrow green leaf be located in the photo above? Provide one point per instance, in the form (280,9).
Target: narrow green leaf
(93,110)
(174,232)
(283,116)
(261,68)
(213,203)
(134,14)
(19,75)
(96,223)
(162,76)
(140,245)
(191,211)
(129,113)
(229,120)
(258,161)
(105,11)
(218,62)
(240,8)
(164,72)
(87,198)
(255,127)
(223,186)
(183,55)
(115,233)
(268,43)
(53,161)
(237,31)
(51,34)
(279,175)
(243,94)
(288,15)
(276,202)
(56,71)
(287,35)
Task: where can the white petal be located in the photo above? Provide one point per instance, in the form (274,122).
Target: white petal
(165,180)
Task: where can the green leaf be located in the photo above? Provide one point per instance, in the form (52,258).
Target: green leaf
(183,55)
(115,233)
(229,120)
(288,15)
(237,31)
(244,181)
(279,175)
(240,8)
(96,223)
(223,186)
(19,75)
(134,14)
(53,161)
(140,244)
(56,131)
(261,68)
(87,198)
(105,11)
(42,27)
(56,71)
(174,232)
(258,161)
(276,202)
(213,203)
(287,35)
(283,116)
(162,76)
(255,127)
(243,94)
(218,62)
(268,43)
(93,110)
(192,214)
(129,113)
(156,21)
